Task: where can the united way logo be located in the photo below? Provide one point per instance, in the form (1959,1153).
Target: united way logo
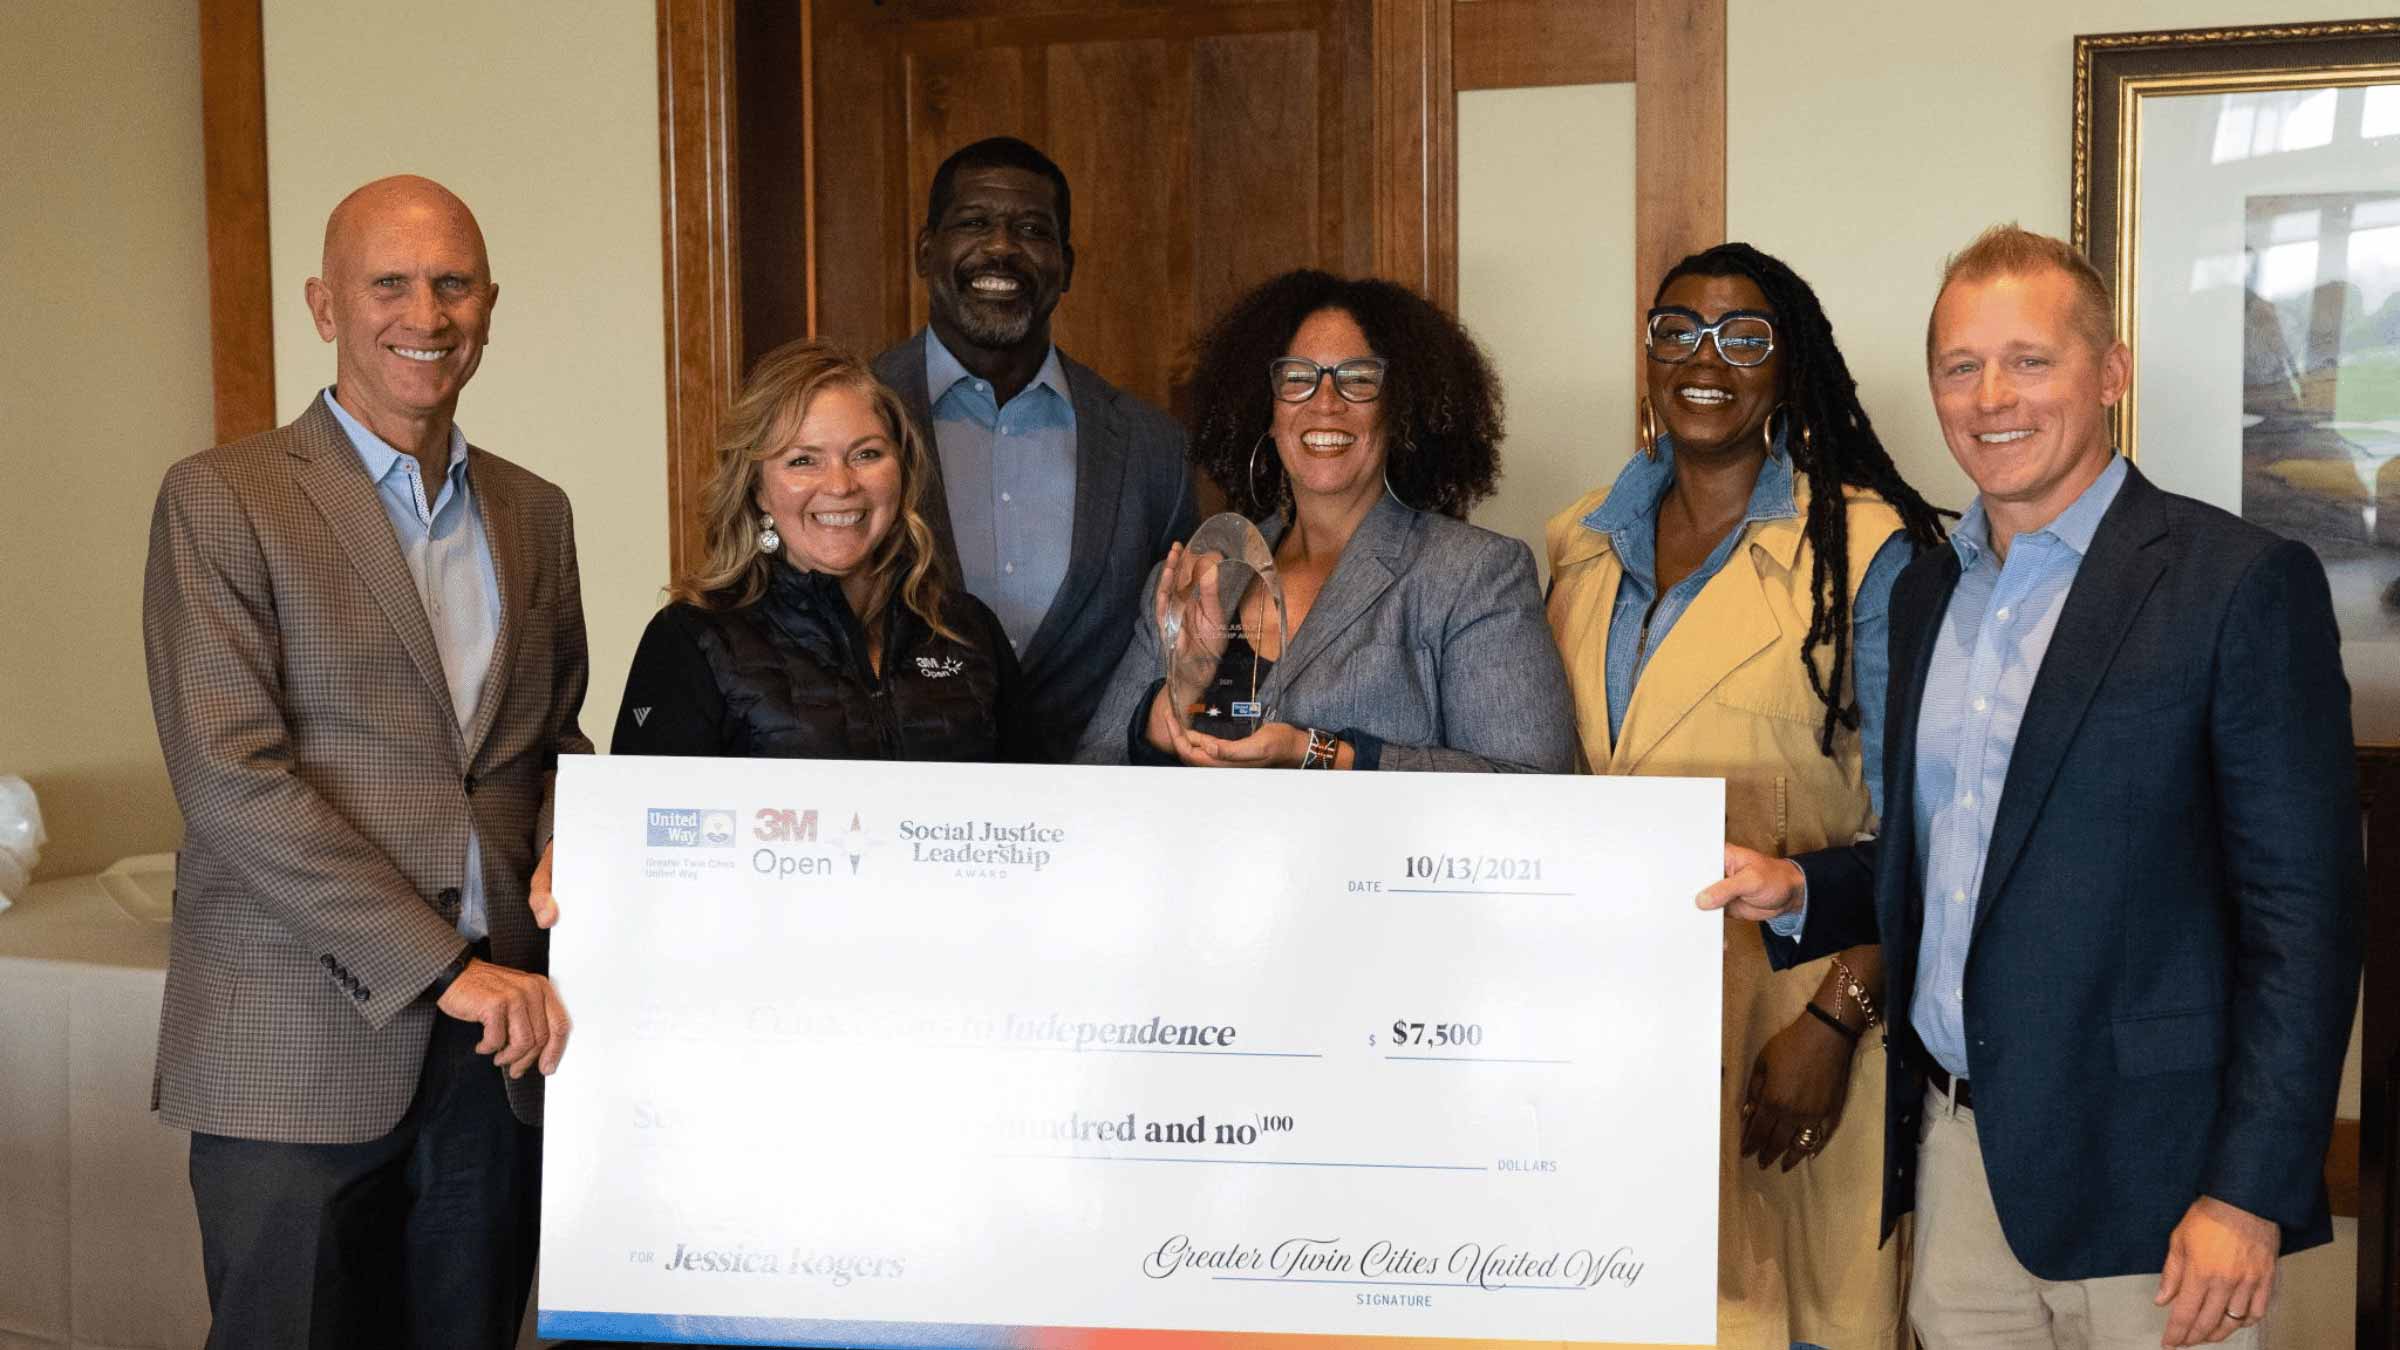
(690,827)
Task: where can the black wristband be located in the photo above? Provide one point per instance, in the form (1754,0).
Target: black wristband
(1832,1021)
(450,973)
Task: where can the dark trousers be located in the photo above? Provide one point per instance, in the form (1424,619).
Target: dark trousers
(423,1239)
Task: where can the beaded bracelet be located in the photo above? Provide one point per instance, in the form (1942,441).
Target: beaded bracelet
(1323,748)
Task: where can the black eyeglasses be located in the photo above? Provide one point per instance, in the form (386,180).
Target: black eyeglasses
(1744,337)
(1295,378)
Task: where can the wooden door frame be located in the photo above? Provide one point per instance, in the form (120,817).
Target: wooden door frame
(241,275)
(700,233)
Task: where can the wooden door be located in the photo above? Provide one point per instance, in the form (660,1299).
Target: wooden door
(1207,145)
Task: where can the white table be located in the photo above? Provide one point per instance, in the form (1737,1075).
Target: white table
(98,1246)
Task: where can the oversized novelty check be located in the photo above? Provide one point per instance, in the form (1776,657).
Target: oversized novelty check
(914,1055)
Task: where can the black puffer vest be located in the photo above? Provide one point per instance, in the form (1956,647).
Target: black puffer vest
(793,672)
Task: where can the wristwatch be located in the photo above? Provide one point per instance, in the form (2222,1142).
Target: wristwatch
(450,973)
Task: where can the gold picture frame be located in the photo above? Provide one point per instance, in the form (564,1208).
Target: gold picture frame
(2116,72)
(2262,289)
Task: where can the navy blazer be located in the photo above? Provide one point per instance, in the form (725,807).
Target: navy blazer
(2166,945)
(1132,499)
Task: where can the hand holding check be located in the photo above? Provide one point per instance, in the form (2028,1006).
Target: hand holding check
(1756,886)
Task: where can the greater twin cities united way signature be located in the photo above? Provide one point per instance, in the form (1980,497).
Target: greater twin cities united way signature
(1468,1265)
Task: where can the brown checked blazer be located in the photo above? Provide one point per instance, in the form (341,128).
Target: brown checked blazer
(326,787)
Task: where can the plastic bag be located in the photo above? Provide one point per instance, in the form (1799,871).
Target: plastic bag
(21,837)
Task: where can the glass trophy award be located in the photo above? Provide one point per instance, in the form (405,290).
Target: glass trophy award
(1221,629)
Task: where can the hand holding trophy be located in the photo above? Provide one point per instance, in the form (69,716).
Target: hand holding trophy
(1221,628)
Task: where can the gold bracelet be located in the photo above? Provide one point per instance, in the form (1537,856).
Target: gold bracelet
(1847,983)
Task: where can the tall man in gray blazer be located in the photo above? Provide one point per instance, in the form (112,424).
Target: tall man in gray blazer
(1053,490)
(366,653)
(2119,882)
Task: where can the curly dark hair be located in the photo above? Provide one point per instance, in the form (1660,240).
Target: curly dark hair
(1833,443)
(1441,401)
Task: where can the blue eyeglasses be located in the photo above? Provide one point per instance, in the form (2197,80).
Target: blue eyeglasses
(1744,337)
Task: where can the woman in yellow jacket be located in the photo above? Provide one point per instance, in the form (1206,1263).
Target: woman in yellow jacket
(1721,608)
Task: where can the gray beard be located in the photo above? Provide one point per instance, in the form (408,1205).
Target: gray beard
(987,330)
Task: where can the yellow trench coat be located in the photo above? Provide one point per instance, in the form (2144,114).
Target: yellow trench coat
(1724,695)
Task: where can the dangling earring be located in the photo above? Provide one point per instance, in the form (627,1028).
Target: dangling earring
(768,539)
(1251,478)
(1646,429)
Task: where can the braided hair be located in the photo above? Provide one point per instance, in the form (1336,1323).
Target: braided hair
(1833,443)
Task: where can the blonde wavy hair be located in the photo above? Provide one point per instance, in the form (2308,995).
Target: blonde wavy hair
(758,427)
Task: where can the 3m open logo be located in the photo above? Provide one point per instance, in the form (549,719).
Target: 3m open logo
(690,827)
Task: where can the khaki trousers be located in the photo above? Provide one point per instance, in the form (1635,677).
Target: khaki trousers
(1968,1289)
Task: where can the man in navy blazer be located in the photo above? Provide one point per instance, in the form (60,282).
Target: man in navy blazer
(2119,878)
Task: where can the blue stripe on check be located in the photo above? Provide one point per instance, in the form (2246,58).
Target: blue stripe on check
(560,1324)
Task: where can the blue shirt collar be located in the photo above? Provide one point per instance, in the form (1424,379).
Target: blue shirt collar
(1633,499)
(2074,526)
(943,371)
(378,454)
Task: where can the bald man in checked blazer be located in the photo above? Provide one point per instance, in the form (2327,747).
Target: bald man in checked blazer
(366,653)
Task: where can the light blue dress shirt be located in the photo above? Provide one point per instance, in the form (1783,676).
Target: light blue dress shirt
(450,558)
(1629,517)
(1010,476)
(1986,654)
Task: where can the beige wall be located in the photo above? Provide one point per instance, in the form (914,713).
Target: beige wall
(106,383)
(1552,307)
(543,115)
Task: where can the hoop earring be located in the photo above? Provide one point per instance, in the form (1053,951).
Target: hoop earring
(1646,429)
(1405,447)
(1790,419)
(1251,478)
(768,540)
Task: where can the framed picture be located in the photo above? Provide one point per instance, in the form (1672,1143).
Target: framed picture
(2239,189)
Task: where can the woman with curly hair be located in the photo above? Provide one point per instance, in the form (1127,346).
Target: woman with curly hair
(821,623)
(1722,609)
(1358,423)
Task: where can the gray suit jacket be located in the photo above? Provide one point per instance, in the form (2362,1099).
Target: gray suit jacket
(1132,499)
(326,787)
(1429,636)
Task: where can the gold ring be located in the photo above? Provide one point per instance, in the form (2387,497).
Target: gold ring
(1807,1140)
